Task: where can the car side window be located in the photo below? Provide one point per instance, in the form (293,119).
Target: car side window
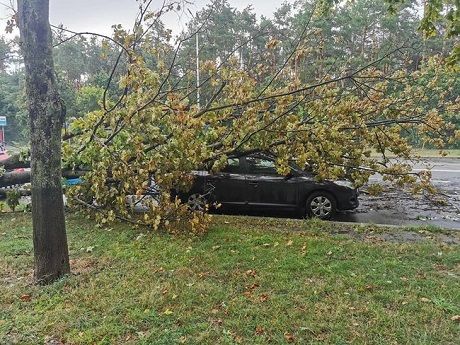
(261,166)
(233,166)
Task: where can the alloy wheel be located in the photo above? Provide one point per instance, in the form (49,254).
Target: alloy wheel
(321,206)
(196,202)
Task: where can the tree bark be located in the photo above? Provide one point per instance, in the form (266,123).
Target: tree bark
(46,115)
(14,162)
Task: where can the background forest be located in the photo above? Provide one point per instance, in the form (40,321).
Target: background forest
(352,35)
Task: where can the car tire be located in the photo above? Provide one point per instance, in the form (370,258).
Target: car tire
(197,202)
(321,205)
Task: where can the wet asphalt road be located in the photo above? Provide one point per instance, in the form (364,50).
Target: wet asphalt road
(396,207)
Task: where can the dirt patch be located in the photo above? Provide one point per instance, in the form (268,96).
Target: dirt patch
(83,265)
(359,232)
(395,235)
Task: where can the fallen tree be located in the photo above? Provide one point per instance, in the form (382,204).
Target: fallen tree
(16,161)
(13,178)
(332,123)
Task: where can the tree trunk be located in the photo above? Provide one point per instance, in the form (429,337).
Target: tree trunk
(12,178)
(46,115)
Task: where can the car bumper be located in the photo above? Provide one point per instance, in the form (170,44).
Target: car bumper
(350,202)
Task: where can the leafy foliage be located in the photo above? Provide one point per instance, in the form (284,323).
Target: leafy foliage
(12,198)
(330,125)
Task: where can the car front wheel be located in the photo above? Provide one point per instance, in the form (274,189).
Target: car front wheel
(321,205)
(196,202)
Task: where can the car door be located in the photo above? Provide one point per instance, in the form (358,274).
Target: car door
(268,189)
(229,186)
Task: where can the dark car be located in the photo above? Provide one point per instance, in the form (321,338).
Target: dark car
(251,183)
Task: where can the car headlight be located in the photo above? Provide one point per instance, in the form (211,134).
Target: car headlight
(344,183)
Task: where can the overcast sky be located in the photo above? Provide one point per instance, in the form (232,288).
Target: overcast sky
(99,15)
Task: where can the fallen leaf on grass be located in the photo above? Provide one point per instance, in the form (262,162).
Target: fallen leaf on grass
(263,298)
(217,322)
(159,270)
(168,311)
(247,294)
(250,289)
(141,334)
(260,330)
(140,237)
(253,286)
(26,298)
(289,337)
(251,273)
(455,318)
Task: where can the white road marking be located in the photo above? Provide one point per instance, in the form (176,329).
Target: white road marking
(376,179)
(438,170)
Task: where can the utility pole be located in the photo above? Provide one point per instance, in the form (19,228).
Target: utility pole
(197,72)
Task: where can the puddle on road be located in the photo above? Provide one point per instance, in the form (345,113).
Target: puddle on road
(396,207)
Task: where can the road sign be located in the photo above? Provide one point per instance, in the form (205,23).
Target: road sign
(2,121)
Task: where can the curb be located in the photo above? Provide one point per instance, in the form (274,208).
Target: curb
(392,226)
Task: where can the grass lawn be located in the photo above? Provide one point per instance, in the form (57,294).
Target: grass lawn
(432,153)
(249,281)
(427,153)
